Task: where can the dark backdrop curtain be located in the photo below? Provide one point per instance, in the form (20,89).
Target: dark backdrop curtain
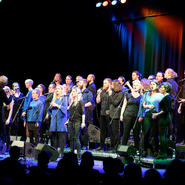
(152,43)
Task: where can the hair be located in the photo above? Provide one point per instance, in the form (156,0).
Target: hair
(123,78)
(172,73)
(145,83)
(6,88)
(93,76)
(29,81)
(138,74)
(16,83)
(109,80)
(79,92)
(54,95)
(117,86)
(155,81)
(37,90)
(43,87)
(167,86)
(3,81)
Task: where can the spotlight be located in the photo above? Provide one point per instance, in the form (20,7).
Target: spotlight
(114,2)
(98,4)
(123,1)
(105,3)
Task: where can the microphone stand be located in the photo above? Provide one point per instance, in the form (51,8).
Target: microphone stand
(140,129)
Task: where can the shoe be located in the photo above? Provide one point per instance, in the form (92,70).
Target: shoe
(144,154)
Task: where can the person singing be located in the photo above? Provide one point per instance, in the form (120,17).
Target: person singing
(34,116)
(116,100)
(58,112)
(76,120)
(164,118)
(129,113)
(103,99)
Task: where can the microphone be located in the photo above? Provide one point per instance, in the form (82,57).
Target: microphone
(54,81)
(182,80)
(126,90)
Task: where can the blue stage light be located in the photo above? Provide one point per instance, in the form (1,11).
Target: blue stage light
(99,4)
(114,2)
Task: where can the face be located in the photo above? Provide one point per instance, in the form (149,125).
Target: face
(59,90)
(89,78)
(35,95)
(134,76)
(159,77)
(40,87)
(74,93)
(153,86)
(167,74)
(120,81)
(162,89)
(51,89)
(106,85)
(28,85)
(15,86)
(80,84)
(136,87)
(68,80)
(57,77)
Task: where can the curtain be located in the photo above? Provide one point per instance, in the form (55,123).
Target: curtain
(152,44)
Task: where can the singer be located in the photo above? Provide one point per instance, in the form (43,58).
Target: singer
(34,116)
(103,99)
(129,113)
(58,112)
(150,126)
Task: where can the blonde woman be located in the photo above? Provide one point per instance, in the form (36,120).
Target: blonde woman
(76,120)
(58,112)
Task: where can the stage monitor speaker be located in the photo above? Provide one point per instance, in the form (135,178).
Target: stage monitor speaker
(94,133)
(27,149)
(125,150)
(43,147)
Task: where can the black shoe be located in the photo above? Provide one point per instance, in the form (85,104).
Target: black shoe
(144,154)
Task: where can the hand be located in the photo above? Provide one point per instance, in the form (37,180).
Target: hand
(140,119)
(24,124)
(182,101)
(179,110)
(155,115)
(7,122)
(66,124)
(23,114)
(83,125)
(107,112)
(121,118)
(37,125)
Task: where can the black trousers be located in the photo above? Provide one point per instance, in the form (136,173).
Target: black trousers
(150,130)
(128,124)
(59,140)
(74,136)
(104,129)
(33,132)
(115,133)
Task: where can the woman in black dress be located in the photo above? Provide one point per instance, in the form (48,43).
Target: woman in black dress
(164,118)
(129,113)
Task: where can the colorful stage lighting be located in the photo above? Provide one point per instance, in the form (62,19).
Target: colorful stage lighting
(98,4)
(123,1)
(105,3)
(114,2)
